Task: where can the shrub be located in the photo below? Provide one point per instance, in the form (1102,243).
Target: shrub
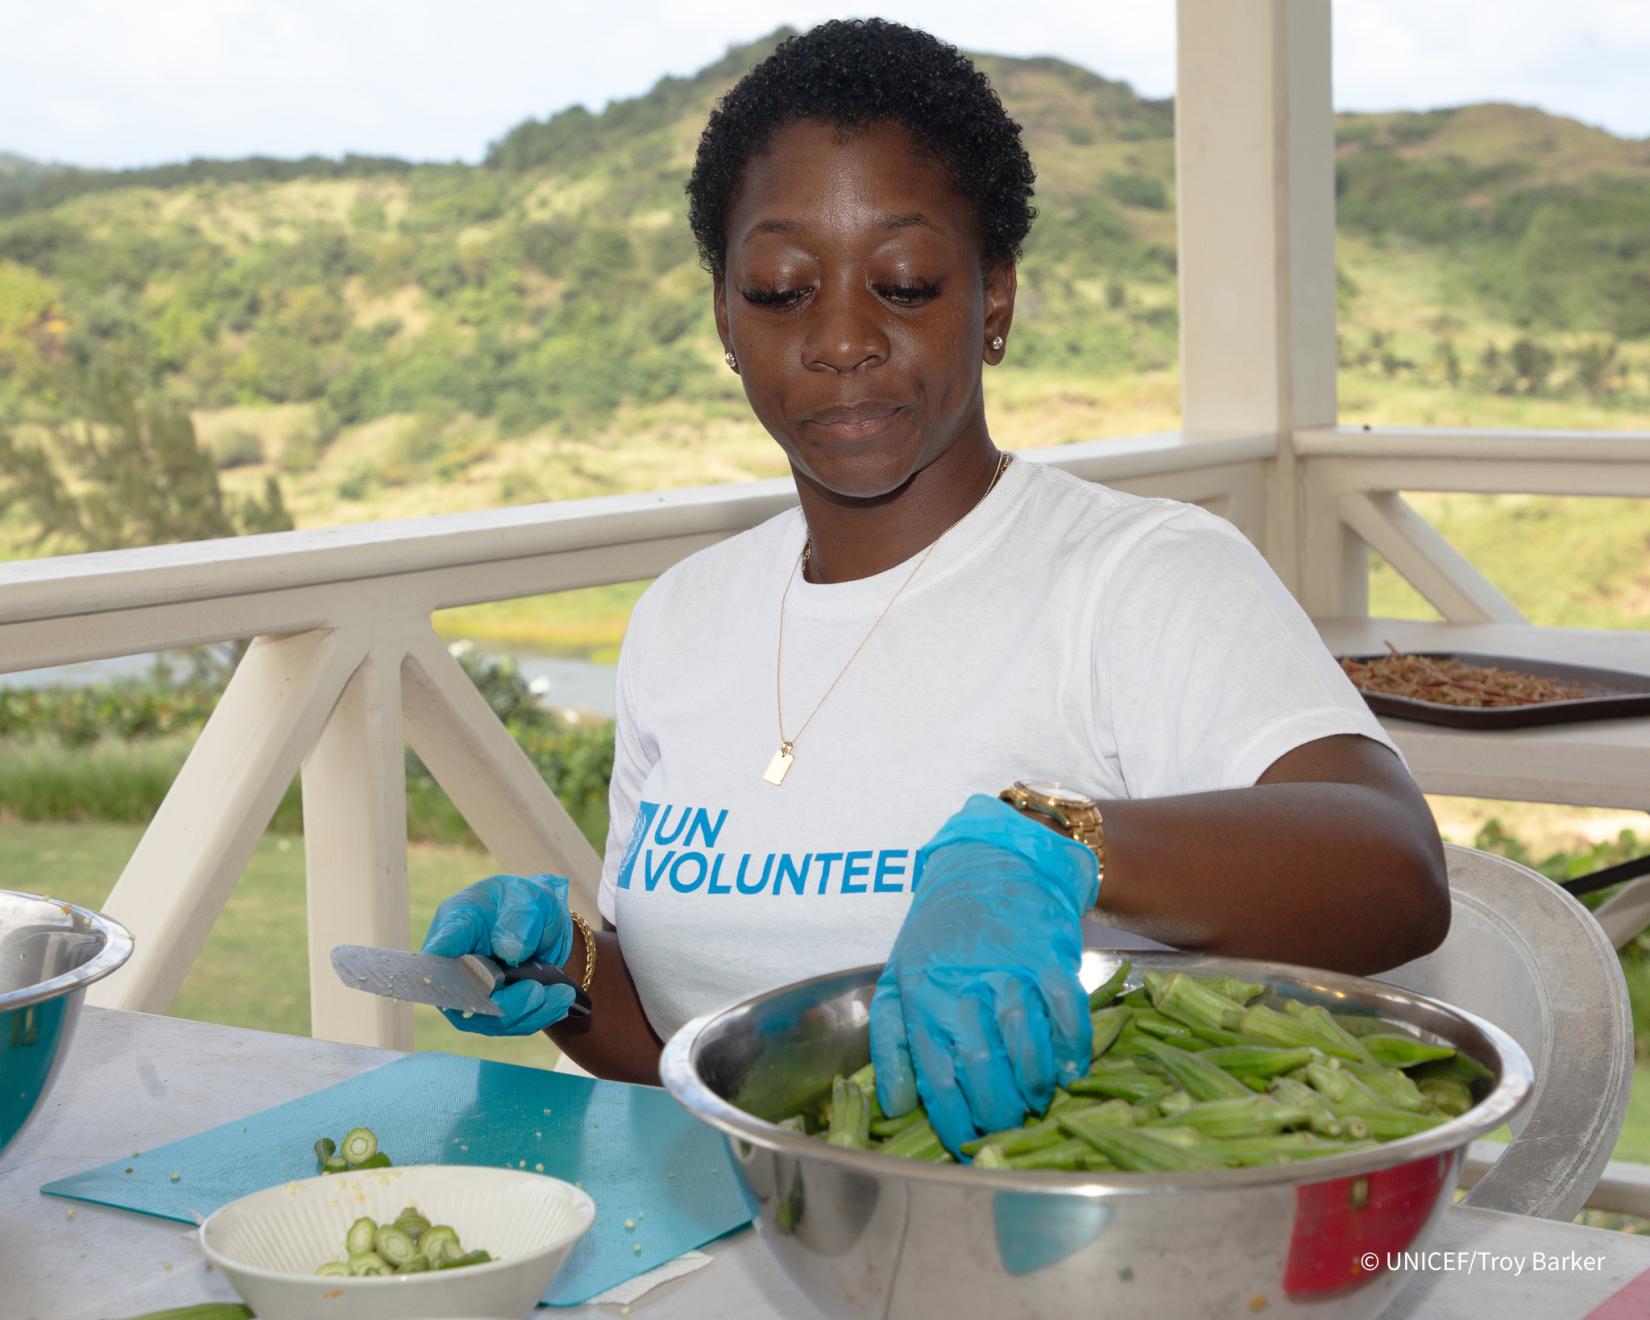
(238,449)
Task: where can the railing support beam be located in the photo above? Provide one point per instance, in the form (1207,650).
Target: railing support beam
(488,777)
(355,850)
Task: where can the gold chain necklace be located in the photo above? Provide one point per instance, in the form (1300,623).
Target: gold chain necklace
(785,757)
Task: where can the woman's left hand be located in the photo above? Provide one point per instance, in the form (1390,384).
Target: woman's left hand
(979,1010)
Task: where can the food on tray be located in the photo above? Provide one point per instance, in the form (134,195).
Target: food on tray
(359,1151)
(1195,1073)
(1454,682)
(411,1245)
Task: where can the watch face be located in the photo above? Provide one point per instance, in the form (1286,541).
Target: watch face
(1052,792)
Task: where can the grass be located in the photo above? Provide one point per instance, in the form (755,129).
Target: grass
(588,623)
(254,969)
(1574,562)
(43,780)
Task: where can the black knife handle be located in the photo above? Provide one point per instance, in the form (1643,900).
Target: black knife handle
(547,974)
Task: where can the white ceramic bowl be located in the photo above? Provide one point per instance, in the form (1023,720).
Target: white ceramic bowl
(269,1244)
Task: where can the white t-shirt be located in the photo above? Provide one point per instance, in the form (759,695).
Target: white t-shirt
(1065,631)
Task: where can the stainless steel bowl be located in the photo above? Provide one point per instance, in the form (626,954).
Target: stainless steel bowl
(867,1235)
(49,953)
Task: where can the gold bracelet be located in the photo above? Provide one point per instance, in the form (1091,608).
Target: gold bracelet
(589,951)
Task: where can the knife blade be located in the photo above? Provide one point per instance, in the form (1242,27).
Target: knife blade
(463,985)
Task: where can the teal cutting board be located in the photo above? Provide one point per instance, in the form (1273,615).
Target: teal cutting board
(637,1153)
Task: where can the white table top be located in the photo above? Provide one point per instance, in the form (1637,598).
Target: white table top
(1596,763)
(133,1081)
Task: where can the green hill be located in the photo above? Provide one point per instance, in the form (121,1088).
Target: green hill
(399,338)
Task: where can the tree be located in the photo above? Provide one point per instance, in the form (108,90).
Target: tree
(123,473)
(1596,365)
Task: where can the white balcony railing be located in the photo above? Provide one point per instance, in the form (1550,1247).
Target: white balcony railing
(1352,502)
(344,670)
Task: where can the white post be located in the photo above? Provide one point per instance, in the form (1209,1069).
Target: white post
(1255,175)
(355,849)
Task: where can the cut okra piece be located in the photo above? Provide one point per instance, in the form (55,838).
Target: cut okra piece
(369,1263)
(333,1269)
(889,1127)
(1204,1080)
(1254,1116)
(468,1258)
(1017,1141)
(325,1148)
(361,1236)
(1392,1050)
(1166,1028)
(394,1245)
(1106,1024)
(1389,1124)
(850,1115)
(1447,1094)
(1392,1086)
(1320,1114)
(1106,991)
(1138,1150)
(1122,1081)
(1271,1027)
(1190,1002)
(335,1164)
(439,1243)
(1232,987)
(360,1144)
(1257,1060)
(1071,1154)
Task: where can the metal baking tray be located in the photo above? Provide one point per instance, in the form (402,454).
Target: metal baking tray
(1614,694)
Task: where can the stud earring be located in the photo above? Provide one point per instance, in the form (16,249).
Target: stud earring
(733,362)
(996,343)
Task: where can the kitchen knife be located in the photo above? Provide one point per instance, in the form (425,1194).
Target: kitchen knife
(464,985)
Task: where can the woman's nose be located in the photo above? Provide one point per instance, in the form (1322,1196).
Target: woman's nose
(844,333)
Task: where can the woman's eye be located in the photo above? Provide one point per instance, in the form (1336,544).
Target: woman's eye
(780,298)
(908,295)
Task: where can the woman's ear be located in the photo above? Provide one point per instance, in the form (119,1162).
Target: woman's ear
(1001,283)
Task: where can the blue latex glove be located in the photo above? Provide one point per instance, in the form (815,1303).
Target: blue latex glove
(511,918)
(979,1010)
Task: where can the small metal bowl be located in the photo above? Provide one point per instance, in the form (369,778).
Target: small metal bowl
(866,1235)
(49,953)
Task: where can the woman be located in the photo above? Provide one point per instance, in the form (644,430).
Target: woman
(802,706)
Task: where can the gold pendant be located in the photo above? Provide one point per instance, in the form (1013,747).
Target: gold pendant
(781,764)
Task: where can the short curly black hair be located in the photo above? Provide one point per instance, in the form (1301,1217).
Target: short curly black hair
(854,73)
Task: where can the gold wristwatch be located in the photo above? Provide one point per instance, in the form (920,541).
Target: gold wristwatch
(1076,813)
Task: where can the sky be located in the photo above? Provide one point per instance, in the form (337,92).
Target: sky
(122,83)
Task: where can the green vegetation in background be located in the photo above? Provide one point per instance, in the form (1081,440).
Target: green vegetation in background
(254,968)
(548,291)
(109,752)
(590,622)
(137,476)
(394,340)
(1574,562)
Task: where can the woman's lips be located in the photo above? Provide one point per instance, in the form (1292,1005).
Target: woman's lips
(858,422)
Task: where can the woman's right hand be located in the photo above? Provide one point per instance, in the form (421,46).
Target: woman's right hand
(511,918)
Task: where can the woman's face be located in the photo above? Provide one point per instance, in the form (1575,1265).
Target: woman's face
(855,302)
